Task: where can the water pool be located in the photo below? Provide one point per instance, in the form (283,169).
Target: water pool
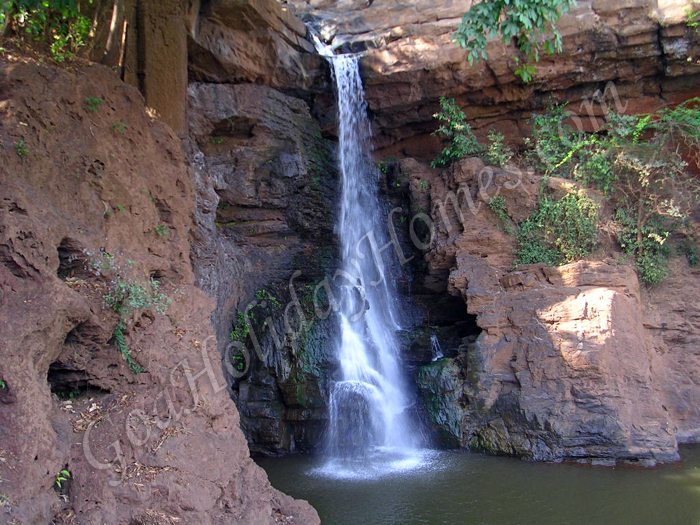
(471,489)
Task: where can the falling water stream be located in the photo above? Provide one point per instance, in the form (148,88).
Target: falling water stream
(370,433)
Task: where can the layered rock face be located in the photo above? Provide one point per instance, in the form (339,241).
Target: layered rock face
(266,191)
(97,206)
(643,48)
(574,362)
(266,186)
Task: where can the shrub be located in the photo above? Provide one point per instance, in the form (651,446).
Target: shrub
(552,142)
(689,248)
(497,205)
(497,153)
(523,22)
(559,231)
(127,296)
(457,135)
(648,246)
(58,23)
(640,163)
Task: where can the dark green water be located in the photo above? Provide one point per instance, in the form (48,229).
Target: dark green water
(461,488)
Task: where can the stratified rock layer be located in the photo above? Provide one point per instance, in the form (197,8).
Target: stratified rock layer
(629,57)
(574,362)
(267,182)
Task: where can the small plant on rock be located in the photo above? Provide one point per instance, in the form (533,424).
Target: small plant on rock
(497,153)
(120,126)
(128,296)
(21,148)
(92,104)
(455,133)
(162,231)
(497,205)
(62,477)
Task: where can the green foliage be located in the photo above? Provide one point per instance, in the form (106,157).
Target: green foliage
(559,231)
(266,302)
(119,338)
(525,22)
(126,296)
(239,361)
(120,126)
(385,165)
(217,141)
(62,477)
(271,300)
(455,133)
(423,185)
(640,163)
(21,148)
(526,72)
(497,205)
(240,331)
(689,248)
(552,141)
(692,18)
(162,231)
(596,168)
(92,104)
(497,153)
(3,385)
(647,245)
(58,23)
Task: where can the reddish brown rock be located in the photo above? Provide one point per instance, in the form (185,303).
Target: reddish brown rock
(259,42)
(639,47)
(141,448)
(574,362)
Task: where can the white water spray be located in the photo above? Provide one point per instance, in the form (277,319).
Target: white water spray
(435,348)
(368,403)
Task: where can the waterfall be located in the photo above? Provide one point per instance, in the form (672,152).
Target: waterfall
(435,348)
(368,402)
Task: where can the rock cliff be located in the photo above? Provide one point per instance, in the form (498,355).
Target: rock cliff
(641,47)
(128,244)
(574,362)
(96,221)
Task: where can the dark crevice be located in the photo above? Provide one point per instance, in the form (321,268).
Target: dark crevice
(68,381)
(72,260)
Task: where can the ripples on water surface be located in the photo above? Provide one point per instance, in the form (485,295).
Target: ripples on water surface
(463,488)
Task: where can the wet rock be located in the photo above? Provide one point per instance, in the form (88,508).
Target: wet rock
(267,181)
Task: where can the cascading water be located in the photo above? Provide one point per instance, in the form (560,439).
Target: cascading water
(435,348)
(369,428)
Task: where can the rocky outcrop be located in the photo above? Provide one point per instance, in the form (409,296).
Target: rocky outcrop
(574,362)
(267,182)
(643,48)
(260,42)
(97,206)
